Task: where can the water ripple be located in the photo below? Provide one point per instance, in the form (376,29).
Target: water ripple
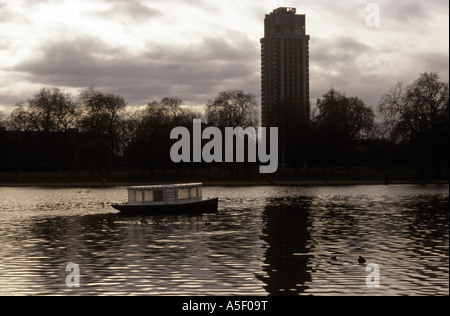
(263,241)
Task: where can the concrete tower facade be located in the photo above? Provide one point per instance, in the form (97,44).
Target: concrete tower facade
(285,73)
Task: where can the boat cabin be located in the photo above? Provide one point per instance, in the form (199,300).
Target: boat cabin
(165,194)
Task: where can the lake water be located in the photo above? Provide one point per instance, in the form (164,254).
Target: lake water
(263,241)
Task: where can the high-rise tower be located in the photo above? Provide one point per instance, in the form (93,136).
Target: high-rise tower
(285,75)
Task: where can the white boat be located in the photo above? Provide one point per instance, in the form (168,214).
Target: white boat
(173,198)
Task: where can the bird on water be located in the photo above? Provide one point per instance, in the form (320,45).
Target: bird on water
(361,260)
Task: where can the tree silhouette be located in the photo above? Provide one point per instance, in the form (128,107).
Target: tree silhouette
(2,120)
(412,130)
(20,119)
(418,116)
(52,110)
(340,123)
(294,134)
(232,108)
(102,114)
(150,147)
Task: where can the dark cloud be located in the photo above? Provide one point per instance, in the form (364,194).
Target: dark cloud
(347,55)
(433,62)
(334,59)
(194,73)
(411,12)
(348,65)
(327,53)
(127,11)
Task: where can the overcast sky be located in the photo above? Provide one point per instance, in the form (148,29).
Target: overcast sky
(147,49)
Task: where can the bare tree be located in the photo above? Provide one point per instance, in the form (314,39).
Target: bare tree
(102,114)
(341,122)
(20,119)
(149,146)
(52,110)
(2,120)
(233,108)
(418,115)
(412,110)
(348,116)
(169,111)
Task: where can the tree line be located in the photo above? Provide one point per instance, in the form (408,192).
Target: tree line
(409,127)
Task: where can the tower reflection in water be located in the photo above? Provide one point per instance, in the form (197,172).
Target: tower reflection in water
(285,230)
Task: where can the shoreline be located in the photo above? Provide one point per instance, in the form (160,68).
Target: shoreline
(228,183)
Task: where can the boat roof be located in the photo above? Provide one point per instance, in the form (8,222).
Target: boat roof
(162,186)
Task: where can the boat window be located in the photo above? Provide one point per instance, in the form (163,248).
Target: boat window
(193,193)
(139,196)
(183,194)
(149,196)
(131,196)
(158,196)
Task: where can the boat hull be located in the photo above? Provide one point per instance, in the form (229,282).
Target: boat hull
(205,206)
